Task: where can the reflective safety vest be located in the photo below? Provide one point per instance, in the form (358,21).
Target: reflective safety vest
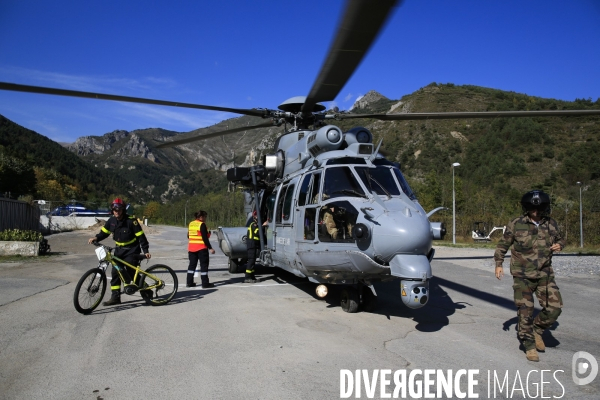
(195,237)
(253,235)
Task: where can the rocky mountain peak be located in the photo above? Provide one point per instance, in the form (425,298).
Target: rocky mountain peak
(136,147)
(87,145)
(369,98)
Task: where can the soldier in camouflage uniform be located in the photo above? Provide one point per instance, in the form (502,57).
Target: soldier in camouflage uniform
(330,215)
(534,237)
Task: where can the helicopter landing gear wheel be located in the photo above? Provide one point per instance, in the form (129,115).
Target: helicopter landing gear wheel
(236,265)
(349,300)
(232,265)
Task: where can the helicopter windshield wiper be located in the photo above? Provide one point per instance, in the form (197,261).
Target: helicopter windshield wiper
(381,186)
(371,179)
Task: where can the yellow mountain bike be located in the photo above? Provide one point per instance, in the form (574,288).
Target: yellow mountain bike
(157,284)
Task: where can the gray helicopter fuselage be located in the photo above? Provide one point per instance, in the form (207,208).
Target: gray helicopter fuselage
(340,213)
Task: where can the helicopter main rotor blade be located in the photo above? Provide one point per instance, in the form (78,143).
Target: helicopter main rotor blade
(360,25)
(213,134)
(101,96)
(466,115)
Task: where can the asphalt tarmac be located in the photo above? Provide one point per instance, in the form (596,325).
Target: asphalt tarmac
(277,340)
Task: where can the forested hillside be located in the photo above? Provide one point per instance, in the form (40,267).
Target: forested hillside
(34,166)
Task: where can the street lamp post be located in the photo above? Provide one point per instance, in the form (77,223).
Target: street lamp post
(580,216)
(185,214)
(454,205)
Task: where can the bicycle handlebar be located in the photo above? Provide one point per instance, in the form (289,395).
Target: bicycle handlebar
(138,257)
(95,243)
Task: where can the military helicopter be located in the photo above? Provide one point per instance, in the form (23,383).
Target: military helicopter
(339,212)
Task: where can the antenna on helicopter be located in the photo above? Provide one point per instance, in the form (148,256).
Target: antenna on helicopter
(374,155)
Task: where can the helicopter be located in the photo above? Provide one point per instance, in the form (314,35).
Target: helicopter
(377,230)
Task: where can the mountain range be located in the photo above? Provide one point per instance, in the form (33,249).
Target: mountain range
(496,154)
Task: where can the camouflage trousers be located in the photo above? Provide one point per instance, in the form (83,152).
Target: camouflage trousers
(550,300)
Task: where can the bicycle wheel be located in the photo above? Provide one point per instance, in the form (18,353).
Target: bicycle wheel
(167,286)
(89,290)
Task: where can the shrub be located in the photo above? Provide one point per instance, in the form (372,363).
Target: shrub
(20,235)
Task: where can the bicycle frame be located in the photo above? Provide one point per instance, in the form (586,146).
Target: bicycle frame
(112,260)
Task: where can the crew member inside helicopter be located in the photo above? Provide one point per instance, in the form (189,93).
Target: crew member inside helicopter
(334,220)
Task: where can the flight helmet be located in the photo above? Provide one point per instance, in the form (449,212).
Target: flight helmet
(117,204)
(536,200)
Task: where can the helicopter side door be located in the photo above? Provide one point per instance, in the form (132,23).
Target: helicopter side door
(284,234)
(306,210)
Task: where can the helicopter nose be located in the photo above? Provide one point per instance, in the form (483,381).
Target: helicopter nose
(401,232)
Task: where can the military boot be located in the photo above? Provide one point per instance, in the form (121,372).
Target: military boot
(539,342)
(112,302)
(532,355)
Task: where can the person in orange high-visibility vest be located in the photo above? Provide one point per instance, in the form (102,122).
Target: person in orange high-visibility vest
(198,248)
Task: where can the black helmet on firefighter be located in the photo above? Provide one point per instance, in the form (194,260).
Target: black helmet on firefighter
(536,200)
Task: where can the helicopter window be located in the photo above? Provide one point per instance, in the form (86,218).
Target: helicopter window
(340,181)
(310,216)
(404,185)
(379,180)
(313,192)
(270,206)
(287,203)
(304,190)
(279,213)
(346,160)
(336,221)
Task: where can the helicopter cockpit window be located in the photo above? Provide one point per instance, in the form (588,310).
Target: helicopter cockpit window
(313,191)
(346,160)
(403,184)
(304,190)
(340,181)
(379,180)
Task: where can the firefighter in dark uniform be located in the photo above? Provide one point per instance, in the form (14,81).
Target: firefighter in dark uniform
(130,240)
(198,248)
(253,246)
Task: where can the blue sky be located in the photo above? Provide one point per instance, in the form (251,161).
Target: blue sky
(248,54)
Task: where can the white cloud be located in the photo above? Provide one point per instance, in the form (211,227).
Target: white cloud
(348,97)
(165,117)
(102,84)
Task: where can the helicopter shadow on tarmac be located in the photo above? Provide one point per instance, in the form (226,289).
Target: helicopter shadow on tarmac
(433,317)
(437,283)
(430,318)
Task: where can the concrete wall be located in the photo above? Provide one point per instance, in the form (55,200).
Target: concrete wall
(68,223)
(12,248)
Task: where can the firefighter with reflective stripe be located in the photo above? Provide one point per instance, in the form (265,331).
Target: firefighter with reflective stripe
(130,240)
(198,248)
(253,247)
